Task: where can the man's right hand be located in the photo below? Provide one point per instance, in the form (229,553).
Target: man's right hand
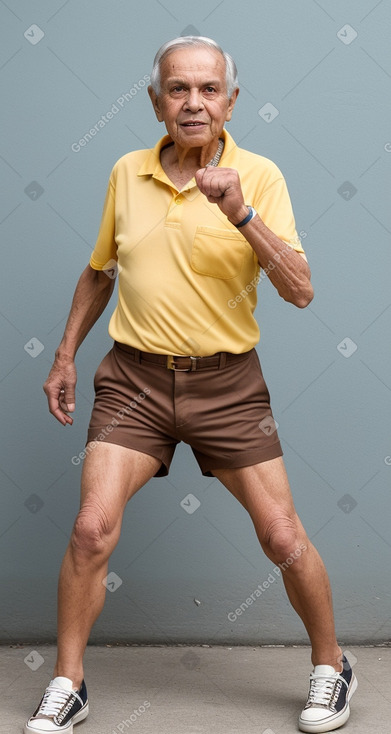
(60,389)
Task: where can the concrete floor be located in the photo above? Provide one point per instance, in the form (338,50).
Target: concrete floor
(188,690)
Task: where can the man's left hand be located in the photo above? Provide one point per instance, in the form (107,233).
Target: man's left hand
(221,186)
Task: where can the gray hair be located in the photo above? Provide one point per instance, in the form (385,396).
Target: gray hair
(184,42)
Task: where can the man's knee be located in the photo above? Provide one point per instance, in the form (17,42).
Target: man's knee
(93,533)
(283,541)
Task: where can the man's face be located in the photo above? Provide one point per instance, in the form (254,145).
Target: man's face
(193,100)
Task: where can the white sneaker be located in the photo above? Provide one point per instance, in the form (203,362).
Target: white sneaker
(327,707)
(61,707)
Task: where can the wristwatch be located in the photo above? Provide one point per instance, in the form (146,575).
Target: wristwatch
(251,214)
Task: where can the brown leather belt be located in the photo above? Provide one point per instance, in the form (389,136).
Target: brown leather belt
(183,363)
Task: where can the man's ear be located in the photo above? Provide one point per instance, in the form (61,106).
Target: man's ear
(231,104)
(155,103)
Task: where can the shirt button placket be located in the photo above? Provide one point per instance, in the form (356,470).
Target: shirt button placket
(175,211)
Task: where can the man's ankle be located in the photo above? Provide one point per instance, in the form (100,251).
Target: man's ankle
(75,677)
(334,660)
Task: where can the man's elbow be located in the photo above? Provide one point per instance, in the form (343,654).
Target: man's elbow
(304,297)
(301,297)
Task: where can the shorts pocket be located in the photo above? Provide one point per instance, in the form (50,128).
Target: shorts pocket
(219,253)
(101,371)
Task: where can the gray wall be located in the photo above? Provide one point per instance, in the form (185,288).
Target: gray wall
(327,367)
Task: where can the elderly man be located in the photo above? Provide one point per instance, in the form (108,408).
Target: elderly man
(190,223)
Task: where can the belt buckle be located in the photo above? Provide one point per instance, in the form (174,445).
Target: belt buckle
(171,364)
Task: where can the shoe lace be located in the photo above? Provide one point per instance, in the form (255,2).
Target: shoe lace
(53,701)
(324,690)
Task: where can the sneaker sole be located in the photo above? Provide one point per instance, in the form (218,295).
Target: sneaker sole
(82,714)
(333,722)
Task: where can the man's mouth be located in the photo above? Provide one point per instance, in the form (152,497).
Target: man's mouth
(196,123)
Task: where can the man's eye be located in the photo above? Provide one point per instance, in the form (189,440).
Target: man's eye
(210,89)
(177,89)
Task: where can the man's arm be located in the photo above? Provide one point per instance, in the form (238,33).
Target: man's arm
(91,297)
(288,271)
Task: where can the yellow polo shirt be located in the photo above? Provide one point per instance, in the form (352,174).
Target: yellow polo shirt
(186,277)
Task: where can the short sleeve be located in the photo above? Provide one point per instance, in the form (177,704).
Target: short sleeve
(105,246)
(275,209)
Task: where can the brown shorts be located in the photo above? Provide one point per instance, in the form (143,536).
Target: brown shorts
(224,414)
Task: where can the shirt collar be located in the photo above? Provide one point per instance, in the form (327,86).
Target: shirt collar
(152,166)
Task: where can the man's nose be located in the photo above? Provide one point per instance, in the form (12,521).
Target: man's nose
(194,100)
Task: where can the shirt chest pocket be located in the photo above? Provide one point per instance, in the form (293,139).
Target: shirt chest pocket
(219,253)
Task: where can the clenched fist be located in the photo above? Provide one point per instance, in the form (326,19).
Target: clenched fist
(221,186)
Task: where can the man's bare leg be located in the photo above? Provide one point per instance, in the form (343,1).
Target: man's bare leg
(111,476)
(263,489)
